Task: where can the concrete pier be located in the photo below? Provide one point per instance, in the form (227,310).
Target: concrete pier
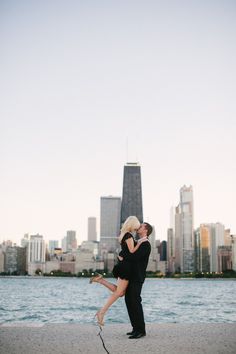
(33,338)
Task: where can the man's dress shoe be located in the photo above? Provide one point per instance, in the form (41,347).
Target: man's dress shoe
(131,333)
(137,335)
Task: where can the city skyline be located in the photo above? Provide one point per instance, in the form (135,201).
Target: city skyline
(111,223)
(88,87)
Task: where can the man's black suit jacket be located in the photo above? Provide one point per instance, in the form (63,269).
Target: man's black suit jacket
(138,261)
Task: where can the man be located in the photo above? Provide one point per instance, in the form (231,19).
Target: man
(133,300)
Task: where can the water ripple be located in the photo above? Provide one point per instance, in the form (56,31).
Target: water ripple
(73,300)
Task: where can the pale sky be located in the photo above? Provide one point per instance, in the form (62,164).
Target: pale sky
(79,78)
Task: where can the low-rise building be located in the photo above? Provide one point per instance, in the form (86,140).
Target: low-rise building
(234,252)
(2,259)
(51,266)
(67,267)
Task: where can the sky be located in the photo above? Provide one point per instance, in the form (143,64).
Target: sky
(88,85)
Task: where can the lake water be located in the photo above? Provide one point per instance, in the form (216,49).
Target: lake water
(74,300)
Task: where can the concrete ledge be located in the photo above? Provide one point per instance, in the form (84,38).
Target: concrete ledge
(171,338)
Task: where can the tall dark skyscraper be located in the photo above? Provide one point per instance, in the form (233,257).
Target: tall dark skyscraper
(132,192)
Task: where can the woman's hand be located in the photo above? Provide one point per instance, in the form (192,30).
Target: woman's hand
(120,258)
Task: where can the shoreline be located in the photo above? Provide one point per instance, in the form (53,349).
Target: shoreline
(211,338)
(75,276)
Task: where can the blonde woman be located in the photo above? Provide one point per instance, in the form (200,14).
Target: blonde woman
(122,270)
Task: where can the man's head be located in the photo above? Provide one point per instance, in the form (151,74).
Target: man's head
(144,230)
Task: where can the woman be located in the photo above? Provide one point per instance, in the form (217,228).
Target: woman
(121,271)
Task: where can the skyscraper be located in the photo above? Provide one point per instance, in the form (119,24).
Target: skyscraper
(92,229)
(110,223)
(52,244)
(36,254)
(163,251)
(25,240)
(153,258)
(208,239)
(170,250)
(15,260)
(202,248)
(177,240)
(184,237)
(132,192)
(216,240)
(71,241)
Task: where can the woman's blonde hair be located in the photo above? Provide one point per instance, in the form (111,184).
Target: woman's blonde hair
(131,224)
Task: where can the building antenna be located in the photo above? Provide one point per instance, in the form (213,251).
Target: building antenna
(127,149)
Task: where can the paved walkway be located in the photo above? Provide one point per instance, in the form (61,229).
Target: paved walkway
(82,338)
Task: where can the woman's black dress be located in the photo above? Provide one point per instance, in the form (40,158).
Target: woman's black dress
(123,268)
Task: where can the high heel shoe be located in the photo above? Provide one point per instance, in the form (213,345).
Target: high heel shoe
(96,278)
(100,316)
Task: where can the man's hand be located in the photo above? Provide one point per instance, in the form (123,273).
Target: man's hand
(120,258)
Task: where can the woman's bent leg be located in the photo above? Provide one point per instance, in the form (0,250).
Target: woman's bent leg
(120,291)
(108,285)
(99,279)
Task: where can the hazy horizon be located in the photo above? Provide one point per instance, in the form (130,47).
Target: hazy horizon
(81,79)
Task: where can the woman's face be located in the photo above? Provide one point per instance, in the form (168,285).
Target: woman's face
(135,229)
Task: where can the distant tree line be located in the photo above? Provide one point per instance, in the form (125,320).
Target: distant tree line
(89,273)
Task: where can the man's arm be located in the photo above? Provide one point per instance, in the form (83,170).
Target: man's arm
(142,251)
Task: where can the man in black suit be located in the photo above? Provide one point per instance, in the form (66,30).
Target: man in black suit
(133,300)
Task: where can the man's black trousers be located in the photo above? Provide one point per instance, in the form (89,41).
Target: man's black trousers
(133,302)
